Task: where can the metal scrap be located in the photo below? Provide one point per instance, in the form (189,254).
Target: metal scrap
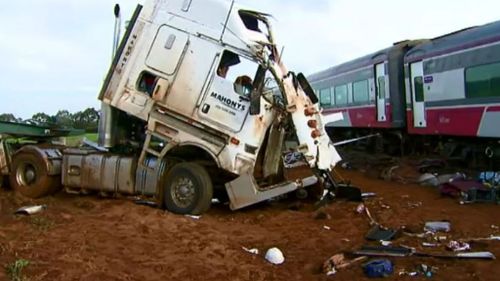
(30,210)
(337,262)
(457,246)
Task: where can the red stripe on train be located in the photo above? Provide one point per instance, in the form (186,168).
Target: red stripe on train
(365,117)
(493,109)
(450,121)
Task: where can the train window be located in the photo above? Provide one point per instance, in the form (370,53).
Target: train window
(341,95)
(325,97)
(360,91)
(483,81)
(381,87)
(419,89)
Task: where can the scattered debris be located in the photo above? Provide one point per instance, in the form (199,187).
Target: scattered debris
(321,214)
(470,191)
(387,174)
(378,233)
(418,235)
(346,166)
(491,238)
(457,246)
(294,159)
(428,271)
(251,251)
(415,205)
(427,165)
(384,251)
(146,203)
(429,245)
(437,226)
(346,191)
(275,256)
(30,210)
(368,194)
(384,206)
(360,208)
(326,227)
(337,262)
(378,268)
(372,221)
(385,243)
(400,251)
(428,180)
(194,217)
(408,273)
(490,177)
(441,238)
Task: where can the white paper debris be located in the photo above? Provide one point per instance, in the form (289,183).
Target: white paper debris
(194,217)
(251,251)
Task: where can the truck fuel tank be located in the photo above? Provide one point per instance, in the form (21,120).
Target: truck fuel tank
(91,170)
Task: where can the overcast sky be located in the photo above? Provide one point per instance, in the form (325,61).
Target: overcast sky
(54,53)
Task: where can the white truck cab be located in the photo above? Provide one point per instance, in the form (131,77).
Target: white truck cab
(200,103)
(200,74)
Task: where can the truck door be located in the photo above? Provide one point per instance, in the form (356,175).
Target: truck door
(380,82)
(227,100)
(417,94)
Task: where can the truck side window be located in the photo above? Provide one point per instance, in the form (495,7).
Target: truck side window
(238,70)
(146,83)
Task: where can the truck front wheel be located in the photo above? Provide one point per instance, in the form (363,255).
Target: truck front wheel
(30,177)
(187,189)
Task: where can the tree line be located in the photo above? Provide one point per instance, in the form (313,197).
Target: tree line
(87,119)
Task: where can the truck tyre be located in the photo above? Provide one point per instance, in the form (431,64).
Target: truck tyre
(187,189)
(29,176)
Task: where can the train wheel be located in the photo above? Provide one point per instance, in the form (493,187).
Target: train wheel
(30,178)
(188,189)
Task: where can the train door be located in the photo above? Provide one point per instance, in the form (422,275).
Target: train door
(380,94)
(417,95)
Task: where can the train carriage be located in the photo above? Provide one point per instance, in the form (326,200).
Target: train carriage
(369,91)
(436,93)
(453,83)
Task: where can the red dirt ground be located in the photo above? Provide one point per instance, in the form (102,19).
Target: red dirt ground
(87,238)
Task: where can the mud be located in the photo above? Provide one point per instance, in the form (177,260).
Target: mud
(89,238)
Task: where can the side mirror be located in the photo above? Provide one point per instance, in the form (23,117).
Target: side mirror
(304,84)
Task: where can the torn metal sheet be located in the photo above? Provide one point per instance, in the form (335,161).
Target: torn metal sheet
(30,210)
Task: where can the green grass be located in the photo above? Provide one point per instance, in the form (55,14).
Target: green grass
(15,270)
(41,223)
(76,140)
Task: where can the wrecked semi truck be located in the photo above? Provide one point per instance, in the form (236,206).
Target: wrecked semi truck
(199,102)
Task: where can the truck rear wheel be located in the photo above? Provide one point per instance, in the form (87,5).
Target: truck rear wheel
(187,189)
(30,177)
